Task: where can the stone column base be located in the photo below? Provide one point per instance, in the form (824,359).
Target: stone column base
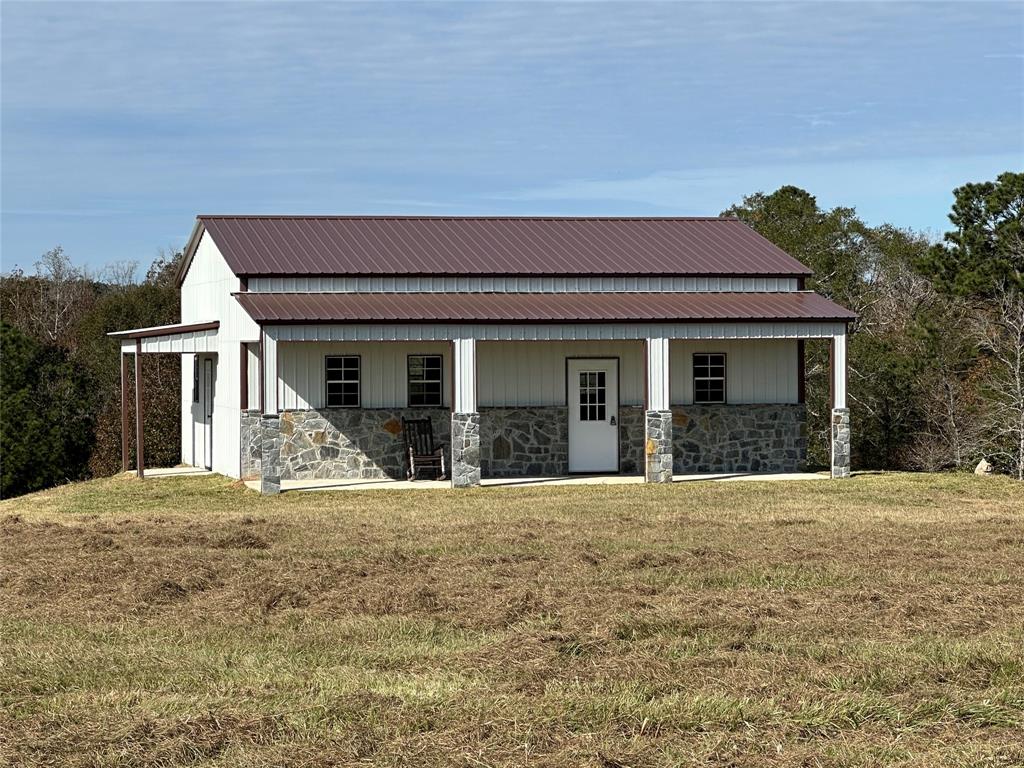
(840,442)
(658,446)
(465,450)
(270,453)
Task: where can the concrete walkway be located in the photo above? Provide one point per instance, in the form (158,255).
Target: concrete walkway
(513,482)
(175,472)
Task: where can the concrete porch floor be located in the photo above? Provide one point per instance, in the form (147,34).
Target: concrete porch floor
(512,482)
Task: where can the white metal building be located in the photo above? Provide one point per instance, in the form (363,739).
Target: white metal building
(535,346)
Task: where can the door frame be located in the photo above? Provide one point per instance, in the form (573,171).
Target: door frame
(618,409)
(209,379)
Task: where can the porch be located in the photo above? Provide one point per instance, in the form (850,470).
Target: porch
(516,404)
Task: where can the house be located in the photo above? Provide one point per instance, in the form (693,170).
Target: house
(537,346)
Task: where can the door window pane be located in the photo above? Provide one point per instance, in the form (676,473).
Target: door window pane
(593,396)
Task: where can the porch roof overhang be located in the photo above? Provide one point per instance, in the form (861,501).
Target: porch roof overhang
(177,338)
(532,308)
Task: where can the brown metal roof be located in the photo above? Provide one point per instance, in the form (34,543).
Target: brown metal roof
(466,245)
(273,308)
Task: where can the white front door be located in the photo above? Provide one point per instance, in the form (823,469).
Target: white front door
(593,399)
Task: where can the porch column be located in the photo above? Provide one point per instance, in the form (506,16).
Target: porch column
(658,414)
(270,421)
(840,413)
(465,470)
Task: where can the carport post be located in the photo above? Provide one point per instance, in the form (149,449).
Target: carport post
(140,460)
(124,411)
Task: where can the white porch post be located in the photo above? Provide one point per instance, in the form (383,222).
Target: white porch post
(465,470)
(270,421)
(658,415)
(840,413)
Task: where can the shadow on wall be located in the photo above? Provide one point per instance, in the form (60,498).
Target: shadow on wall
(342,443)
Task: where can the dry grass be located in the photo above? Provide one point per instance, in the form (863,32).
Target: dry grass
(186,621)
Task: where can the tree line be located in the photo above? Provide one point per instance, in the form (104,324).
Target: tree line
(936,358)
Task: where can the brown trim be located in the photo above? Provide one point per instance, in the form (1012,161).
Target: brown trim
(552,321)
(243,395)
(171,330)
(140,452)
(243,283)
(124,412)
(801,371)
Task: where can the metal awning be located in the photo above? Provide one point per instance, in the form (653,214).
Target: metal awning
(177,338)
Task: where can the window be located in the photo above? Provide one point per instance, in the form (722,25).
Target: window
(592,396)
(709,377)
(425,380)
(195,378)
(342,377)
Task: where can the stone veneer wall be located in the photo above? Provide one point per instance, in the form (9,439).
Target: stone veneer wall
(524,442)
(347,443)
(352,443)
(631,439)
(739,438)
(251,445)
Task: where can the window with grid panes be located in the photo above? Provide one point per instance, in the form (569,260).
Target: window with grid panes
(709,377)
(425,381)
(342,381)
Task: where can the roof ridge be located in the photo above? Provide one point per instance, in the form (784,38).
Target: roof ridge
(470,217)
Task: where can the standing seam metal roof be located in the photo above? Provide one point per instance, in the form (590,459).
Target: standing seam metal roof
(428,245)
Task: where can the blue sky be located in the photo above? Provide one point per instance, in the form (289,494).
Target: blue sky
(122,121)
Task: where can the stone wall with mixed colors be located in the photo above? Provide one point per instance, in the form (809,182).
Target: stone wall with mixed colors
(352,443)
(346,443)
(739,438)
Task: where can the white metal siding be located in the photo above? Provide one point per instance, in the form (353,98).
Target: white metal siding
(756,371)
(583,284)
(533,373)
(383,372)
(206,295)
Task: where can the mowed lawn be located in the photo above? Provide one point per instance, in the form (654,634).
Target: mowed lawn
(877,621)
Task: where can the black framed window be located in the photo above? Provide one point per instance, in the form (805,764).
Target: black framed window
(342,381)
(709,377)
(425,380)
(195,378)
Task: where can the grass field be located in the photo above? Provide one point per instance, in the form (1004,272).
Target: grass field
(877,621)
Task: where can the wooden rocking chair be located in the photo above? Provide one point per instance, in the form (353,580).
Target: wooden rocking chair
(420,450)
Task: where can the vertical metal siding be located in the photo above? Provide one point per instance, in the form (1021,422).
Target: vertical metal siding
(516,284)
(526,373)
(383,371)
(757,371)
